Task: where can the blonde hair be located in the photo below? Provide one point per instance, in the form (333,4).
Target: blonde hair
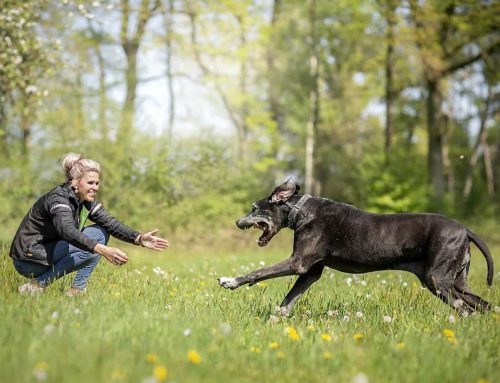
(75,166)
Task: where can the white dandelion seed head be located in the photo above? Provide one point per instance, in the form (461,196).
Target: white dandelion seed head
(496,309)
(363,283)
(225,328)
(49,329)
(359,314)
(451,319)
(387,319)
(187,332)
(40,375)
(360,378)
(55,315)
(346,318)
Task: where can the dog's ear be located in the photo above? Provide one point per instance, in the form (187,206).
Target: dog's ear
(284,191)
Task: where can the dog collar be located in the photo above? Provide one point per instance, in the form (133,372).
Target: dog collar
(292,216)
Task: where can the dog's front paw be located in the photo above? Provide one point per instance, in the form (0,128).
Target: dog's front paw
(228,283)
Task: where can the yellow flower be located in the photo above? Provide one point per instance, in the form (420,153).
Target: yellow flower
(256,318)
(292,333)
(452,340)
(160,373)
(280,355)
(400,346)
(449,333)
(327,355)
(311,328)
(42,366)
(117,375)
(152,358)
(194,357)
(257,350)
(326,337)
(262,284)
(482,380)
(358,336)
(274,345)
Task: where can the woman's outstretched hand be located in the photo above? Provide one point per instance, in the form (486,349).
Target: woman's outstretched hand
(112,254)
(151,241)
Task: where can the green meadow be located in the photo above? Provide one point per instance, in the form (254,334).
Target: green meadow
(163,317)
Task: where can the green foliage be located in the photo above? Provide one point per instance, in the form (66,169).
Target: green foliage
(395,186)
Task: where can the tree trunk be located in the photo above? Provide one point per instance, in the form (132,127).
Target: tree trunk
(482,141)
(168,17)
(312,124)
(389,70)
(435,143)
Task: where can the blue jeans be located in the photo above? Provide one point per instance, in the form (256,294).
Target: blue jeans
(66,259)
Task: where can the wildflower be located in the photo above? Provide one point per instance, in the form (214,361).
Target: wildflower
(358,336)
(496,309)
(152,358)
(187,332)
(194,357)
(451,319)
(273,319)
(332,313)
(292,333)
(257,350)
(49,329)
(326,337)
(400,346)
(274,345)
(160,373)
(327,355)
(280,355)
(387,319)
(448,333)
(40,371)
(360,378)
(311,328)
(359,314)
(225,328)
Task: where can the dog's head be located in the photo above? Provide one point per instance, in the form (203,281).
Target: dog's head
(270,214)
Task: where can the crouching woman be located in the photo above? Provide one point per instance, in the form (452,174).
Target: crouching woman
(52,239)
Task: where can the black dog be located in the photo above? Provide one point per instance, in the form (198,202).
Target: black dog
(327,233)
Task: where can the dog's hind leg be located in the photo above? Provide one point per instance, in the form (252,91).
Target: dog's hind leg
(465,292)
(301,285)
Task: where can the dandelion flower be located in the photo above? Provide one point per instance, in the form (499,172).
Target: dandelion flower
(194,357)
(152,358)
(400,346)
(274,345)
(358,336)
(359,314)
(187,332)
(448,333)
(451,319)
(326,337)
(280,355)
(292,333)
(257,350)
(327,355)
(387,319)
(160,373)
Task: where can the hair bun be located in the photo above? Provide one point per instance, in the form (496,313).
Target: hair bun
(69,160)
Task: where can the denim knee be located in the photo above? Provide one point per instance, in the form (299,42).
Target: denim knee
(98,233)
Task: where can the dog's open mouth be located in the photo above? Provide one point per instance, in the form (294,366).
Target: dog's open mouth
(267,234)
(261,224)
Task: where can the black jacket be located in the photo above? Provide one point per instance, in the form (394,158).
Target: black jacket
(54,217)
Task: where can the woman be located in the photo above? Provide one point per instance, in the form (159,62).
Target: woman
(52,241)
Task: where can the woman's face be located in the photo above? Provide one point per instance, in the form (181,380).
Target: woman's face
(88,186)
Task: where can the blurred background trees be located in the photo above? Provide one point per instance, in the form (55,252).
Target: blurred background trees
(197,107)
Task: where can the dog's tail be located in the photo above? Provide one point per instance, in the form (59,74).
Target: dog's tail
(486,252)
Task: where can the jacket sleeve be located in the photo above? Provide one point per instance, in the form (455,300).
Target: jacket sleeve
(114,227)
(62,218)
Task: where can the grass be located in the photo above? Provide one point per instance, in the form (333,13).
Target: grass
(148,315)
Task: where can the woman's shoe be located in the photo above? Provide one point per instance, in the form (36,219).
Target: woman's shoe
(31,288)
